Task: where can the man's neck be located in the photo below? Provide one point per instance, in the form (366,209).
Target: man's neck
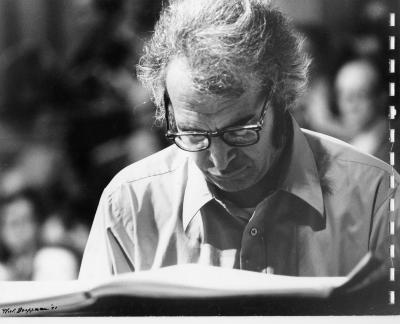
(249,197)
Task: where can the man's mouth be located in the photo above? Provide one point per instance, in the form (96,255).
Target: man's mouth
(227,174)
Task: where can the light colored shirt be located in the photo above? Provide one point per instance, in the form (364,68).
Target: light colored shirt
(331,208)
(374,140)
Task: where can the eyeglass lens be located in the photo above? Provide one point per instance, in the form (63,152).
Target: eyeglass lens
(234,138)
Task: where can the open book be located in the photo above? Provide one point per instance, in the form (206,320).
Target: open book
(179,281)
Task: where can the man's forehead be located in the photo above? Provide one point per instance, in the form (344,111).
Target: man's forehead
(180,85)
(182,92)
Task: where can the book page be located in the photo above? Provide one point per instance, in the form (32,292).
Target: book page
(196,281)
(29,297)
(181,281)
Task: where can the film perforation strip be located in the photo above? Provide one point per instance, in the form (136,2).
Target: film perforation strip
(392,135)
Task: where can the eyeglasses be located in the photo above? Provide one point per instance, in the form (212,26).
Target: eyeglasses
(195,141)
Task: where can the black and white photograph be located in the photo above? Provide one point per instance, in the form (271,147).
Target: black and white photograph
(169,158)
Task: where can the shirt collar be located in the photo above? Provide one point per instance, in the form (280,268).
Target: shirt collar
(197,193)
(301,179)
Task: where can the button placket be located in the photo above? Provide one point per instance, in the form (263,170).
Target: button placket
(252,254)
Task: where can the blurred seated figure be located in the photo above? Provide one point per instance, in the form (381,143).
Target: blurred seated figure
(55,263)
(315,112)
(66,227)
(361,100)
(23,255)
(314,109)
(19,233)
(63,237)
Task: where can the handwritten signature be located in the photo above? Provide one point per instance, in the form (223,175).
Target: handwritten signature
(25,310)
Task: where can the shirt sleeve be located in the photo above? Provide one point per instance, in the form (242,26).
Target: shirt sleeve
(96,261)
(110,248)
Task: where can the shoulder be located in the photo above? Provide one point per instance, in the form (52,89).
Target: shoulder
(347,172)
(146,187)
(335,150)
(153,183)
(156,167)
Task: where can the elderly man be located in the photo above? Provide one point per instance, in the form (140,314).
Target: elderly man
(243,186)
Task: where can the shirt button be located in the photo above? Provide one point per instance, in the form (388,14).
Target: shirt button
(253,231)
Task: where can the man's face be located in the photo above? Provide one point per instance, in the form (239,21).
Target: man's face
(229,168)
(356,99)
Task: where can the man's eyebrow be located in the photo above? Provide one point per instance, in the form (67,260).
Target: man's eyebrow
(187,128)
(242,121)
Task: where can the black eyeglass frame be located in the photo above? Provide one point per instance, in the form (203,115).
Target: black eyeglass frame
(219,133)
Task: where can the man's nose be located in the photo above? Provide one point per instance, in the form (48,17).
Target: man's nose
(220,154)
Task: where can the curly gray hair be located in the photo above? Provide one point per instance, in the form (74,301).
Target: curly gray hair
(228,44)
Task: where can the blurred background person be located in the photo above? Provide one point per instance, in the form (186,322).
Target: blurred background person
(55,263)
(347,95)
(362,100)
(315,109)
(25,254)
(66,227)
(20,218)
